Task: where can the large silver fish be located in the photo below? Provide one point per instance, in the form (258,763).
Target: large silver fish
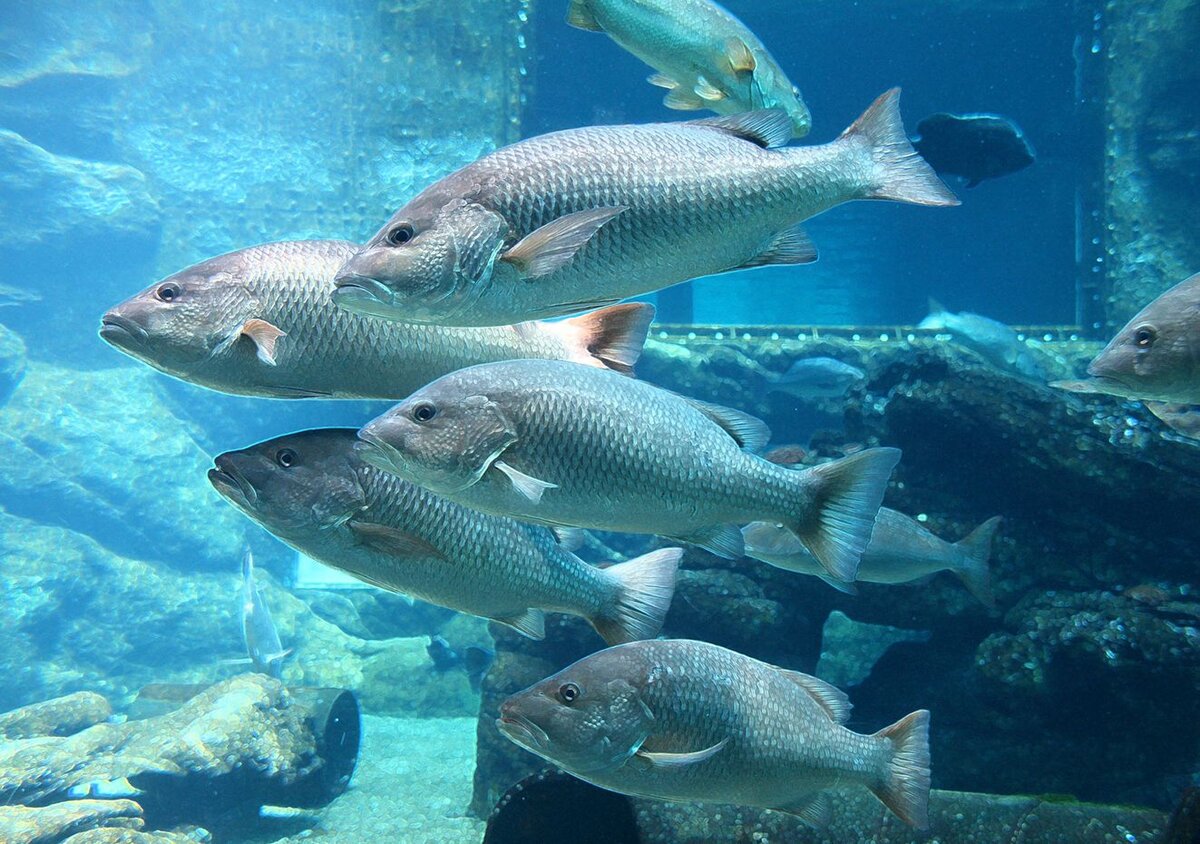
(994,341)
(1156,356)
(705,57)
(313,492)
(901,550)
(563,444)
(585,217)
(260,322)
(683,720)
(259,634)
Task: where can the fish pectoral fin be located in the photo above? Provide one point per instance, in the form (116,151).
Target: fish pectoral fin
(555,244)
(681,760)
(768,128)
(264,336)
(581,17)
(569,538)
(833,700)
(741,59)
(529,486)
(683,99)
(790,246)
(661,80)
(722,540)
(816,811)
(707,91)
(390,540)
(531,623)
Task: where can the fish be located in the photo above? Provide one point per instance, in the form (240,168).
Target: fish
(901,550)
(259,635)
(786,455)
(12,295)
(312,491)
(562,222)
(994,341)
(1155,356)
(681,720)
(474,661)
(260,322)
(973,146)
(816,378)
(561,444)
(704,56)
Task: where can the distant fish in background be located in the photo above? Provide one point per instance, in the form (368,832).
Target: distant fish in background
(816,378)
(994,341)
(1156,356)
(786,455)
(901,550)
(705,57)
(974,146)
(258,630)
(474,660)
(10,296)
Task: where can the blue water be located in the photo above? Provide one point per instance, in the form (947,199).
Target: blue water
(142,136)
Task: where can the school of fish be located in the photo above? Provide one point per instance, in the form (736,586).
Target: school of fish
(512,434)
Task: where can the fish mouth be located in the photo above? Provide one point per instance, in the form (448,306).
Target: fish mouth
(1102,384)
(522,731)
(378,452)
(226,479)
(363,294)
(122,331)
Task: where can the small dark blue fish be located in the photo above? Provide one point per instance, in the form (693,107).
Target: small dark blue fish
(974,146)
(474,661)
(265,650)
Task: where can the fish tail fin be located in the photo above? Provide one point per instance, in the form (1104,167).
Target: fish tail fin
(904,786)
(847,494)
(644,588)
(901,174)
(974,571)
(610,337)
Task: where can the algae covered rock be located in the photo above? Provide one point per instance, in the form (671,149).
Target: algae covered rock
(51,824)
(61,716)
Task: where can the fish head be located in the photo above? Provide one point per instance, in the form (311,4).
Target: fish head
(583,718)
(294,485)
(1157,354)
(428,263)
(182,321)
(444,437)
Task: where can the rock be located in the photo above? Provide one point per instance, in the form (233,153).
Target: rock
(99,453)
(51,824)
(48,197)
(61,716)
(12,362)
(130,836)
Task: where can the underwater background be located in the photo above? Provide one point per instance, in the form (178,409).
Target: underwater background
(137,138)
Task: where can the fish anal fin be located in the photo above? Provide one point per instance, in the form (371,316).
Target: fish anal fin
(749,432)
(555,244)
(390,540)
(790,246)
(529,486)
(768,128)
(816,811)
(722,540)
(264,335)
(681,760)
(531,623)
(580,16)
(833,700)
(741,59)
(569,538)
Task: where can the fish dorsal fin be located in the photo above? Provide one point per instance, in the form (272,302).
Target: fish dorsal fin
(936,307)
(749,432)
(581,17)
(529,486)
(389,540)
(681,760)
(741,59)
(832,699)
(790,246)
(531,623)
(768,127)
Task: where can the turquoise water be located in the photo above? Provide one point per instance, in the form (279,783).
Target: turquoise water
(139,138)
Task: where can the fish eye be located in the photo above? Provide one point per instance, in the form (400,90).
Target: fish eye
(1145,336)
(167,292)
(400,235)
(286,458)
(568,692)
(423,412)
